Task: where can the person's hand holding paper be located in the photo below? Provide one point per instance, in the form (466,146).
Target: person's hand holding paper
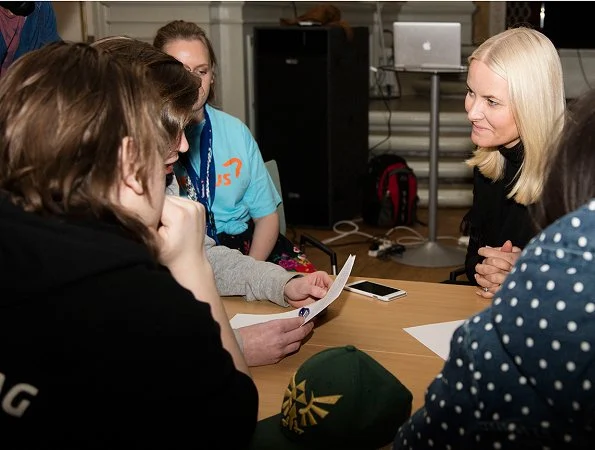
(308,312)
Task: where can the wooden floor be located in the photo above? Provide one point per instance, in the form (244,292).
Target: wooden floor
(447,230)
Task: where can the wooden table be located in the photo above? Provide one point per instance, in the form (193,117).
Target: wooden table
(373,326)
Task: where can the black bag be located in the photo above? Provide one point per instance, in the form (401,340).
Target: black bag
(390,192)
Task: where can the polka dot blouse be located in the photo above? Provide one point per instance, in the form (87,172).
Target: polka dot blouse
(521,374)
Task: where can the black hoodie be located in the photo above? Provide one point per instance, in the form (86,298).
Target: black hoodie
(99,345)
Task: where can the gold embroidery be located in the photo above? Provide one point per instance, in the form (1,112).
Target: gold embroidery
(297,417)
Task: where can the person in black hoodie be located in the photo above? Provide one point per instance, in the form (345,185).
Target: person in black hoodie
(235,273)
(111,328)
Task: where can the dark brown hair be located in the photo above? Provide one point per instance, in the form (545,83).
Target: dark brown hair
(177,87)
(64,111)
(187,31)
(570,180)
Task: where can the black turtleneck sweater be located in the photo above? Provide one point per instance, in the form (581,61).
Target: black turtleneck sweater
(493,219)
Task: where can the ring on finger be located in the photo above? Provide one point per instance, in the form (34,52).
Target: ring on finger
(485,289)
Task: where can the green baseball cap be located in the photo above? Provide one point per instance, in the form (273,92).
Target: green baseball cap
(339,398)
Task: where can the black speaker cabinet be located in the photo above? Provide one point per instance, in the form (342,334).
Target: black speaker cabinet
(311,113)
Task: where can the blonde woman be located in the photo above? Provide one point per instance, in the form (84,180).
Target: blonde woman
(515,103)
(520,373)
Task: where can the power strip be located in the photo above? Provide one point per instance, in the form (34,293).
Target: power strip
(379,246)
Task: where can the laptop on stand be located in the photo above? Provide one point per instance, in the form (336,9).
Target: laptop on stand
(420,46)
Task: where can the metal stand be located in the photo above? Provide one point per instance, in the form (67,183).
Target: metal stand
(431,253)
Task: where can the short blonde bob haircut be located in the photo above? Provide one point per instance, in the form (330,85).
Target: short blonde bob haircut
(530,64)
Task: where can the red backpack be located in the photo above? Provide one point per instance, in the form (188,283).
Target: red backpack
(390,192)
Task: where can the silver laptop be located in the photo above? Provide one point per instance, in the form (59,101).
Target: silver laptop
(427,45)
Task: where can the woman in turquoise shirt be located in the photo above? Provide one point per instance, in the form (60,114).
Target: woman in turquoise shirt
(224,169)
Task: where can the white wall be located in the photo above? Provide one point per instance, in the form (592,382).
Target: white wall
(579,71)
(229,24)
(69,20)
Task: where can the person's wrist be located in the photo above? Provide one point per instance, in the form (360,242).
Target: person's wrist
(239,339)
(285,288)
(185,270)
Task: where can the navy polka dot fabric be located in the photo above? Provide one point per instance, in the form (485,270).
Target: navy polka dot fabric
(520,374)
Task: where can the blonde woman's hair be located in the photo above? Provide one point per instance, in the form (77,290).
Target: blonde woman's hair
(530,64)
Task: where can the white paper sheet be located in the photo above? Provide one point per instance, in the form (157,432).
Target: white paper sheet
(309,312)
(435,336)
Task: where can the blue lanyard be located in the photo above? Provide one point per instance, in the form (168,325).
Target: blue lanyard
(204,187)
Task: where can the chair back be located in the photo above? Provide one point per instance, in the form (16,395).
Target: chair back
(273,169)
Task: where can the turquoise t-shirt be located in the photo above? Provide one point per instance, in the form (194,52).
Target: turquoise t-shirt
(244,188)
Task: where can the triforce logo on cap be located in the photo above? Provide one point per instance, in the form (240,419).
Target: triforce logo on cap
(299,411)
(339,398)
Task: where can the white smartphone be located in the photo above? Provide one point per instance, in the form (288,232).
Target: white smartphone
(375,290)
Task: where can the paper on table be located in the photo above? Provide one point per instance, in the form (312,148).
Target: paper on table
(435,336)
(309,312)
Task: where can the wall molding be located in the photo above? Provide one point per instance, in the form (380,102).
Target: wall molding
(230,25)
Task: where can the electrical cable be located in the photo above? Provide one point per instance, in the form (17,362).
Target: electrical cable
(389,67)
(388,120)
(416,239)
(380,75)
(342,234)
(405,241)
(380,33)
(397,79)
